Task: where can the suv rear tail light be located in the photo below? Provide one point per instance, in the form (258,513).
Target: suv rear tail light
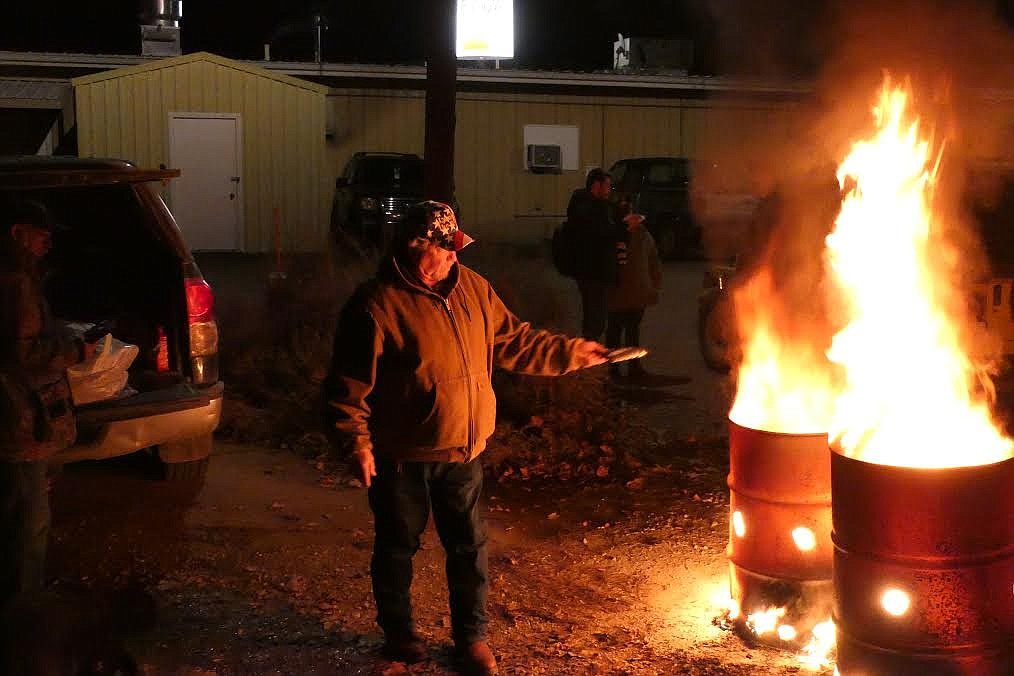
(203,331)
(200,300)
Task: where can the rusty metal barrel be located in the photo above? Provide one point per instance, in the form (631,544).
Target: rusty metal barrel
(780,552)
(923,569)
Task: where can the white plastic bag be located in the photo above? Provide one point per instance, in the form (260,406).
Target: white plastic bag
(104,375)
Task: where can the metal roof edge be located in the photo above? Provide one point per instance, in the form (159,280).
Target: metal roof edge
(539,77)
(299,70)
(295,72)
(168,62)
(72,59)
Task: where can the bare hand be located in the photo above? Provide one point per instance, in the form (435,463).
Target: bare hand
(364,466)
(590,353)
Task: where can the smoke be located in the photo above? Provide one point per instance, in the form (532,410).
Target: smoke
(766,39)
(958,61)
(958,58)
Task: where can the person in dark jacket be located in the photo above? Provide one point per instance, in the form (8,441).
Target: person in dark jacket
(603,243)
(410,392)
(33,349)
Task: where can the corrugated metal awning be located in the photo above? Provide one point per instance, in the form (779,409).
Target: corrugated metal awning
(34,94)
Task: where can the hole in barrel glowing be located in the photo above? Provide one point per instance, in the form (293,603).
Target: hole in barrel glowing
(787,632)
(895,602)
(738,524)
(804,539)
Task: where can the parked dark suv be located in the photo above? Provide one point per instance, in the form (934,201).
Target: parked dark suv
(659,188)
(373,193)
(118,256)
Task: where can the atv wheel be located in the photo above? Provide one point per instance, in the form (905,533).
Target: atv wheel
(716,332)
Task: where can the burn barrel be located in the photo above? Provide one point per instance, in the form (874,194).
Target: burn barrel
(923,569)
(780,552)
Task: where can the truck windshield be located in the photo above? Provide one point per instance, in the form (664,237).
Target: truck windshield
(391,171)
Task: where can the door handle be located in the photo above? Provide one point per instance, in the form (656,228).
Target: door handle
(232,195)
(234,179)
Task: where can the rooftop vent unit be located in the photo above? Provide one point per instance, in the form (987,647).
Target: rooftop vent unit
(650,54)
(160,34)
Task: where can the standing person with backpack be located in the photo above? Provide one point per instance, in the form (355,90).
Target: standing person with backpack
(35,404)
(593,241)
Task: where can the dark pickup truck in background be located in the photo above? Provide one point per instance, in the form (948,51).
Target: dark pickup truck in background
(659,188)
(688,218)
(372,195)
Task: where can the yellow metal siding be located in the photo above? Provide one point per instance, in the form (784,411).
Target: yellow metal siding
(282,126)
(499,198)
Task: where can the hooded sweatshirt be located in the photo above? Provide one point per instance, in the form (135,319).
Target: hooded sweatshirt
(410,376)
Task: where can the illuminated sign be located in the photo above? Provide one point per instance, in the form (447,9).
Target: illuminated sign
(485,29)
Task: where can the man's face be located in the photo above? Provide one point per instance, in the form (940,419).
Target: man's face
(602,189)
(37,241)
(433,263)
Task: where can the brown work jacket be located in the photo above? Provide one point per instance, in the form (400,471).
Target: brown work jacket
(410,374)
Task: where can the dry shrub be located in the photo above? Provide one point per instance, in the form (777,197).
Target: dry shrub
(278,342)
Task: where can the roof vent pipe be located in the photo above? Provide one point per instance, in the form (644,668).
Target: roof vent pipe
(167,13)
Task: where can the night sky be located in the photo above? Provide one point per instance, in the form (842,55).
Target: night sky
(550,34)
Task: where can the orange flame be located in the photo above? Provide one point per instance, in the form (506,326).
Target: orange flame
(783,385)
(816,655)
(912,395)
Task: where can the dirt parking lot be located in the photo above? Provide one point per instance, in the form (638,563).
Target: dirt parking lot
(262,568)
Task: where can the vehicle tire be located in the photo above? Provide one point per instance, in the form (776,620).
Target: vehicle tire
(186,459)
(716,331)
(192,470)
(676,239)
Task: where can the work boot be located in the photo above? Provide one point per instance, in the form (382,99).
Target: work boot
(408,648)
(477,659)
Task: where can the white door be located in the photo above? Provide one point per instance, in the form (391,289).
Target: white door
(206,198)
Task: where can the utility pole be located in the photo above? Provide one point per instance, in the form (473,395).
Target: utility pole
(441,86)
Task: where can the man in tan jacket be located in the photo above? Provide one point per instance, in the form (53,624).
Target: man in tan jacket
(410,392)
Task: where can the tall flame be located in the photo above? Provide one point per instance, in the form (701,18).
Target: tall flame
(912,395)
(782,384)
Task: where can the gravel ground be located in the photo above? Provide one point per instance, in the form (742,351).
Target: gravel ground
(262,568)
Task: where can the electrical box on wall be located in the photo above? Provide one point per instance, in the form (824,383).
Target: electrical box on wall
(544,159)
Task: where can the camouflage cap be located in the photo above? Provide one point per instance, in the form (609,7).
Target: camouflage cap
(436,222)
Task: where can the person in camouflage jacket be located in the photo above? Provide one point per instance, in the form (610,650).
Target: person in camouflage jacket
(34,352)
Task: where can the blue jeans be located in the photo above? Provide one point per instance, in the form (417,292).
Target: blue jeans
(401,496)
(24,527)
